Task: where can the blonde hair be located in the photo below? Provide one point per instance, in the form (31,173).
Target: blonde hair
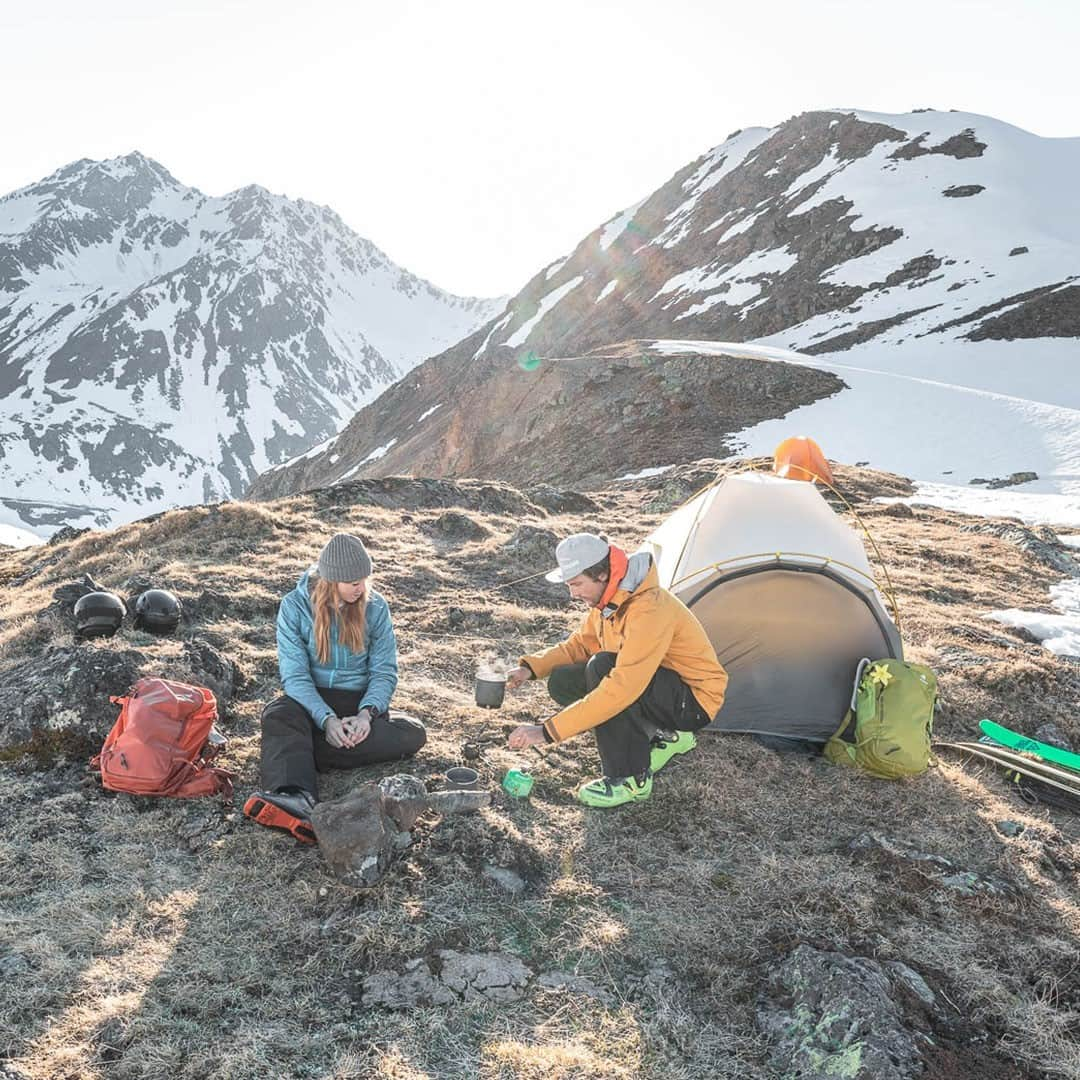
(349,618)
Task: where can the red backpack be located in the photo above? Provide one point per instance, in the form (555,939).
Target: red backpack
(162,742)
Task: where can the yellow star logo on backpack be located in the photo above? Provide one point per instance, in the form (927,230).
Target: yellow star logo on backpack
(881,675)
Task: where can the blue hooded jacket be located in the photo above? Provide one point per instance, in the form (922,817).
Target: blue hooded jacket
(372,672)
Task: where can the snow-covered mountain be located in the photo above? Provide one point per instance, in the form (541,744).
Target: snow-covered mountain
(161,347)
(939,246)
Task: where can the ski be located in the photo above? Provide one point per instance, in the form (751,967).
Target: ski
(1015,741)
(1064,776)
(1025,766)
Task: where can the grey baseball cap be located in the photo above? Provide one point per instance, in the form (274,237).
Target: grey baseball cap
(577,553)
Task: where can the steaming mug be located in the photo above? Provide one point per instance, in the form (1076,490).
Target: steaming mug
(490,692)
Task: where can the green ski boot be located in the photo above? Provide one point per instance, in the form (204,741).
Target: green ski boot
(605,792)
(666,745)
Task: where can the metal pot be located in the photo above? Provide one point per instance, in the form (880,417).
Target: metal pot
(490,692)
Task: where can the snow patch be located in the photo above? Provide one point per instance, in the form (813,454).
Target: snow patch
(13,536)
(656,471)
(1029,507)
(379,451)
(555,267)
(521,334)
(617,226)
(607,290)
(1058,633)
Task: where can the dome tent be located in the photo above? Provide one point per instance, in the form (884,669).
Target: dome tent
(786,594)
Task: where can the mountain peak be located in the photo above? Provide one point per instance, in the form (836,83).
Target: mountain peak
(158,346)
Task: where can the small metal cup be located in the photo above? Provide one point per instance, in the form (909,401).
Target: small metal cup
(490,692)
(462,778)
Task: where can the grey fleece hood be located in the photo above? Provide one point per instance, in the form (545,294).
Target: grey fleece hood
(637,569)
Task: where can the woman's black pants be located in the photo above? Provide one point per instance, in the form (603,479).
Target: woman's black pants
(294,749)
(624,741)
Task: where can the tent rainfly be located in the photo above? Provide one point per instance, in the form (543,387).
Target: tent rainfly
(786,594)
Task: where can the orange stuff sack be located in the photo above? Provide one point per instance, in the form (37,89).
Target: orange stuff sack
(800,458)
(162,743)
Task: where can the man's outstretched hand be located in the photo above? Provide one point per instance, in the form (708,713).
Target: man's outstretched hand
(526,735)
(518,676)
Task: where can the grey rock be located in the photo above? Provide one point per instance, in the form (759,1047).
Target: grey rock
(414,986)
(59,701)
(454,525)
(1014,478)
(560,981)
(453,978)
(458,802)
(356,836)
(913,981)
(1042,545)
(67,595)
(963,191)
(404,799)
(826,1015)
(898,510)
(67,532)
(936,869)
(1009,828)
(212,669)
(505,879)
(532,547)
(560,501)
(484,976)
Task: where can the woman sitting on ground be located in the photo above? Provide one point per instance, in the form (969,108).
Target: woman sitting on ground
(338,661)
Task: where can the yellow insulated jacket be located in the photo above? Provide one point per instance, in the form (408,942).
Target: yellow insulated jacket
(650,628)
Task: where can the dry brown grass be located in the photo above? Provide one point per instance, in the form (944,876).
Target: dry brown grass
(126,954)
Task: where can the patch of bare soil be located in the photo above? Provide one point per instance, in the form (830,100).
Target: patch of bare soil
(155,938)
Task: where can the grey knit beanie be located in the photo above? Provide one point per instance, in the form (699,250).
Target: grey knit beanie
(344,559)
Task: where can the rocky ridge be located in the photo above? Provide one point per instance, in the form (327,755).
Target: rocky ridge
(936,244)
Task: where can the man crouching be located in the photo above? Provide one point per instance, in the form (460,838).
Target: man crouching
(640,671)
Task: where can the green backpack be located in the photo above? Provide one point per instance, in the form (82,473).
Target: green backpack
(887,730)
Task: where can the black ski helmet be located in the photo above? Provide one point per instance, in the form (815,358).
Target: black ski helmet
(158,611)
(98,614)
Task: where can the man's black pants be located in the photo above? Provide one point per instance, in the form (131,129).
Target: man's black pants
(667,704)
(294,749)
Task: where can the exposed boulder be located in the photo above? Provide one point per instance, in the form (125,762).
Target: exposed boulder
(356,835)
(212,669)
(59,703)
(449,978)
(934,870)
(827,1015)
(1041,543)
(404,798)
(454,525)
(67,532)
(560,501)
(532,547)
(360,832)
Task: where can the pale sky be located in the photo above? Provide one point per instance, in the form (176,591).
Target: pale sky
(477,141)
